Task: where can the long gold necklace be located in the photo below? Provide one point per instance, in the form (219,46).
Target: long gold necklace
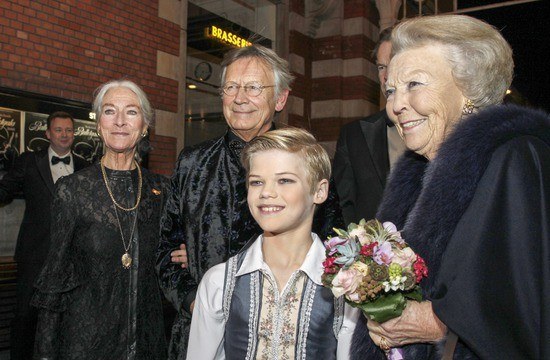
(126,258)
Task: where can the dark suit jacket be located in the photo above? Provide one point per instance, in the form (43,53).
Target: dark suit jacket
(32,176)
(361,165)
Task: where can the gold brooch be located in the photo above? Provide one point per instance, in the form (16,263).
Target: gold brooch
(156,192)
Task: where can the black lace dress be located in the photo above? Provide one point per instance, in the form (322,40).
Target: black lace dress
(91,307)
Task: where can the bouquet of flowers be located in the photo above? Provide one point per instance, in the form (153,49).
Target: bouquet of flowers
(374,268)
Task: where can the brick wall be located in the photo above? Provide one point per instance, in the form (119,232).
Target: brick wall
(163,154)
(67,48)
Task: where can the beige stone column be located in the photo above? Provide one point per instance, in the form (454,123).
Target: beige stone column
(388,10)
(174,67)
(282,49)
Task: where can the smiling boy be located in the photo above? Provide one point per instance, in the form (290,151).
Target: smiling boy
(267,302)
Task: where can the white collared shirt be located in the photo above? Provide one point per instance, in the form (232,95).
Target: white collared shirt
(396,145)
(206,340)
(60,169)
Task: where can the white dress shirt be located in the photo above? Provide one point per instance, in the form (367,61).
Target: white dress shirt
(206,341)
(396,145)
(60,169)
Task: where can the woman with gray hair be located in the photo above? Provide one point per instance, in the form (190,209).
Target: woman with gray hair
(98,293)
(472,197)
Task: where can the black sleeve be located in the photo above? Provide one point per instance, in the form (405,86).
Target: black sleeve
(12,183)
(47,335)
(177,284)
(494,282)
(59,276)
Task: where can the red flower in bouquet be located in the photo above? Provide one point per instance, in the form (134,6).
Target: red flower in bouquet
(330,266)
(420,269)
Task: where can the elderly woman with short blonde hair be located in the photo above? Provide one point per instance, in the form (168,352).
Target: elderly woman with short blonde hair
(472,196)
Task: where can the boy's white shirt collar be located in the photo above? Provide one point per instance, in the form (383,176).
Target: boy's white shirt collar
(312,265)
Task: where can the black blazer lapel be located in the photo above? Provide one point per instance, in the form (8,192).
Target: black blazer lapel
(43,165)
(79,163)
(377,142)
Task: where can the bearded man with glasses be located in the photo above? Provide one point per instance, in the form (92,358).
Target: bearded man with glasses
(207,209)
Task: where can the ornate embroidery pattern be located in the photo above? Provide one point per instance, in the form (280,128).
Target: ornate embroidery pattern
(254,312)
(338,315)
(279,314)
(230,279)
(305,316)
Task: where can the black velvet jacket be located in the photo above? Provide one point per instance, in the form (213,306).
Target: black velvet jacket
(90,306)
(207,210)
(478,215)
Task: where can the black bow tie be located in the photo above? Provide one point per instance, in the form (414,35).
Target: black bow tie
(66,160)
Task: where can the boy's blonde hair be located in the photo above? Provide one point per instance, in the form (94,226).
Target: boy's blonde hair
(293,140)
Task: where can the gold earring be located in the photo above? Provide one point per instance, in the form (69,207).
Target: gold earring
(144,134)
(468,107)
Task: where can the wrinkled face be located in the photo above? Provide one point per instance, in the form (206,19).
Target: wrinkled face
(250,116)
(121,120)
(422,98)
(279,192)
(61,135)
(382,62)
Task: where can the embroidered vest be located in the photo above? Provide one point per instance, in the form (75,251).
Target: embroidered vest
(319,320)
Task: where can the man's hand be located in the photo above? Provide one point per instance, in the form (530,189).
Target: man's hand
(180,256)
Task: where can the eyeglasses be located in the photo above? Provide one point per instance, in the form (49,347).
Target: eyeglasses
(250,89)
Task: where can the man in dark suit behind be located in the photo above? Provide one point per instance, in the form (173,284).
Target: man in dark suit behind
(34,175)
(365,151)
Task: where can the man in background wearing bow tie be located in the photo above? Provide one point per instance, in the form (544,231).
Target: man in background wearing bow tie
(34,175)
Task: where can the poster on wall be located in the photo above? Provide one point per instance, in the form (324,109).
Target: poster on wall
(10,139)
(35,132)
(87,143)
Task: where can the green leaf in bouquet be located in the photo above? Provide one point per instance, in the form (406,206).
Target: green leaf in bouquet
(388,306)
(341,233)
(385,308)
(415,294)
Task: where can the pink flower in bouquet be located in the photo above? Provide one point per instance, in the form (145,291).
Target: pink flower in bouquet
(383,254)
(346,282)
(404,257)
(332,243)
(361,235)
(392,229)
(354,297)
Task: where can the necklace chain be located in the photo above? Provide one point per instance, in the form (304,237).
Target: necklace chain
(126,258)
(111,193)
(126,248)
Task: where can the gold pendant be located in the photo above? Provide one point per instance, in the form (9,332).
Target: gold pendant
(126,260)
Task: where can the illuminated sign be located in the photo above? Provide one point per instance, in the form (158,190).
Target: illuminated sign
(226,36)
